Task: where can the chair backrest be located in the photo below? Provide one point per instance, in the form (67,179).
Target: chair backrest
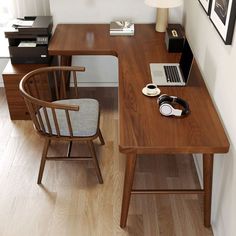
(41,88)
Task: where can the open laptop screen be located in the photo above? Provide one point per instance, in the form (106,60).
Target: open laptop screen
(186,60)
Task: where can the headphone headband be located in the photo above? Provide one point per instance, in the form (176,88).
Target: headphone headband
(166,106)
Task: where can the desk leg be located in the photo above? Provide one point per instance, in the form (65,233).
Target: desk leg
(207,172)
(128,183)
(65,60)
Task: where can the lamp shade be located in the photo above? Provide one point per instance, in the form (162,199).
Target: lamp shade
(163,3)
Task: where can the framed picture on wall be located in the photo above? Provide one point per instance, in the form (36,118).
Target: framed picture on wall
(206,4)
(223,15)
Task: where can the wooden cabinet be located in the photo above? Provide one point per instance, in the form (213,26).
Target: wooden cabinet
(12,75)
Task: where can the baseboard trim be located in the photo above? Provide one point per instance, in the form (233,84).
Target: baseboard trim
(86,84)
(98,84)
(219,228)
(103,84)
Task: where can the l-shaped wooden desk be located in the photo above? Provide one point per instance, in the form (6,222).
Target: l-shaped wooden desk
(142,129)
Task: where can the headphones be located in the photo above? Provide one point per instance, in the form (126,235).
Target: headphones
(166,106)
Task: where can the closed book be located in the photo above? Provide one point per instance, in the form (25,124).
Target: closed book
(127,33)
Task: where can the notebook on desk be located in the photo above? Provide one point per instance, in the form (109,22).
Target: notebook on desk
(173,74)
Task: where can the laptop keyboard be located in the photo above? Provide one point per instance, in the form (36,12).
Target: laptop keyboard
(172,74)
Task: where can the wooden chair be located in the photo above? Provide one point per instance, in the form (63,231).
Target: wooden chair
(59,114)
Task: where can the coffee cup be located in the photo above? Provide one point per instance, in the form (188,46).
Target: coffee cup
(151,89)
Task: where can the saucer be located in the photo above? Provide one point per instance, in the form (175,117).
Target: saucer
(144,91)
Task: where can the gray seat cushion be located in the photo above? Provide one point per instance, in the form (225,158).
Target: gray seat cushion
(84,122)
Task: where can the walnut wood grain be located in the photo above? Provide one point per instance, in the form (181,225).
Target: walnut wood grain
(12,75)
(142,128)
(70,202)
(129,177)
(37,90)
(208,175)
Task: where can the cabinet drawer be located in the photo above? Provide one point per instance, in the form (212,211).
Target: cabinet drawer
(12,76)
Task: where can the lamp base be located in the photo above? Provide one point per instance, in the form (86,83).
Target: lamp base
(162,19)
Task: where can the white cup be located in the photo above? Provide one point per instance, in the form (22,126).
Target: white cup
(151,89)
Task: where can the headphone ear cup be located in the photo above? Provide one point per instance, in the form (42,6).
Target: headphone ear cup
(166,108)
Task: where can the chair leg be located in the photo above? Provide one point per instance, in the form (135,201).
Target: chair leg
(43,160)
(69,149)
(100,137)
(95,160)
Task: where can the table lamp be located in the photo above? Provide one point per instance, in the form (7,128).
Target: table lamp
(162,11)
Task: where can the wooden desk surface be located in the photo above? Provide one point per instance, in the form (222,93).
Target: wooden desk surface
(142,128)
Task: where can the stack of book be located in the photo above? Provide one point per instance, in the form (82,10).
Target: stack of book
(121,28)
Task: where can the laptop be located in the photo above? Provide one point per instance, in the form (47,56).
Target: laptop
(173,74)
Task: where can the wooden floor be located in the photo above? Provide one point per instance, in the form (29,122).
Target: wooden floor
(70,200)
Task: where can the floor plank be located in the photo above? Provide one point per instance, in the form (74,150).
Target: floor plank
(70,200)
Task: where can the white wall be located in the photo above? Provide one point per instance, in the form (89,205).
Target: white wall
(103,69)
(4,54)
(104,11)
(217,63)
(3,63)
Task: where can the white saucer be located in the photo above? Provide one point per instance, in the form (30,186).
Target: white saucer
(144,91)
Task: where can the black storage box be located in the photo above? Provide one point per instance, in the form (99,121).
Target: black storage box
(29,44)
(174,38)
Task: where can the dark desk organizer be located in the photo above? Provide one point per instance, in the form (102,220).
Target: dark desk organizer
(39,33)
(174,38)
